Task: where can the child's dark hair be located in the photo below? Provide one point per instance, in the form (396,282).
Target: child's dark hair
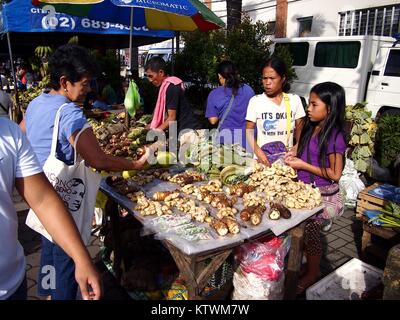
(229,72)
(280,68)
(71,61)
(334,97)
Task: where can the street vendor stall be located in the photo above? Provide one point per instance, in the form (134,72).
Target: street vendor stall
(176,205)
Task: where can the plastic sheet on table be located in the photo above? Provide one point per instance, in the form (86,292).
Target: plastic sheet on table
(189,246)
(196,247)
(298,215)
(158,185)
(160,224)
(190,231)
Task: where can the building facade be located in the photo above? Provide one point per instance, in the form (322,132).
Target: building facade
(321,18)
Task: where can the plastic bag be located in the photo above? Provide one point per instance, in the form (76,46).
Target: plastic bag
(260,273)
(132,99)
(250,287)
(350,184)
(265,258)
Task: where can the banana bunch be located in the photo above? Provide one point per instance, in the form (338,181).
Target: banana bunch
(43,51)
(211,159)
(233,174)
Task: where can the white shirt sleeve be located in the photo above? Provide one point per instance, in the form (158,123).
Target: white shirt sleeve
(298,107)
(27,163)
(251,114)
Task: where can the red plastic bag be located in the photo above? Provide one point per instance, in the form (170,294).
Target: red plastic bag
(264,257)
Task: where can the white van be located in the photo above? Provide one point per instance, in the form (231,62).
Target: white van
(165,53)
(368,68)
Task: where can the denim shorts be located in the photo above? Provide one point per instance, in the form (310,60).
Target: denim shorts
(57,273)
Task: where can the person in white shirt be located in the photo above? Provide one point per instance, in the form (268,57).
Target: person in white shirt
(19,167)
(267,111)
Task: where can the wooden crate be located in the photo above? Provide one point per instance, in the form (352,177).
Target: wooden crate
(366,201)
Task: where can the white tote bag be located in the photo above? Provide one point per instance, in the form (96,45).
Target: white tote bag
(77,186)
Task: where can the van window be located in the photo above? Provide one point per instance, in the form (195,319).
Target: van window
(393,64)
(298,51)
(337,54)
(165,56)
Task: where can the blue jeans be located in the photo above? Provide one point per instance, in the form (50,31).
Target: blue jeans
(61,285)
(21,293)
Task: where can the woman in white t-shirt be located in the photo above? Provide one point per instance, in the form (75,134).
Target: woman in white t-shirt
(269,111)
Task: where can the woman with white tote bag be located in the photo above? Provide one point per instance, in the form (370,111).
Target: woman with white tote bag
(53,116)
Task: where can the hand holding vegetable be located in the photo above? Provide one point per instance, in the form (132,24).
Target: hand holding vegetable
(294,162)
(139,164)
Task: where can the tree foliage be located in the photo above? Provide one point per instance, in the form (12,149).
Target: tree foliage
(196,62)
(247,45)
(284,53)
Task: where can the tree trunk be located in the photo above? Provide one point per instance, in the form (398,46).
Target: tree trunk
(234,13)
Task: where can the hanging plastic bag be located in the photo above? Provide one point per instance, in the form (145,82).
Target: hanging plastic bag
(132,100)
(350,184)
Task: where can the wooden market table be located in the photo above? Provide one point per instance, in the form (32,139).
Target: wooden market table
(193,268)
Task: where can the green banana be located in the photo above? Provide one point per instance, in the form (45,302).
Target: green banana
(231,170)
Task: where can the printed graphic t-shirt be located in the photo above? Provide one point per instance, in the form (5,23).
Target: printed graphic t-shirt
(270,118)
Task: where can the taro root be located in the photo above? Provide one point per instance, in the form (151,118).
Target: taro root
(283,211)
(274,214)
(161,195)
(255,218)
(232,225)
(234,200)
(220,227)
(245,215)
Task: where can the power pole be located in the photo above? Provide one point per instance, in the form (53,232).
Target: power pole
(281,18)
(234,13)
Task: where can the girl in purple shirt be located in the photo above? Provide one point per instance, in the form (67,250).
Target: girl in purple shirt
(319,161)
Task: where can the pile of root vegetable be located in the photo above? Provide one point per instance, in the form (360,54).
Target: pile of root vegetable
(268,193)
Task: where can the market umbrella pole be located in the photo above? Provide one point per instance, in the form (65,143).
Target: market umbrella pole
(127,116)
(130,42)
(14,77)
(173,56)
